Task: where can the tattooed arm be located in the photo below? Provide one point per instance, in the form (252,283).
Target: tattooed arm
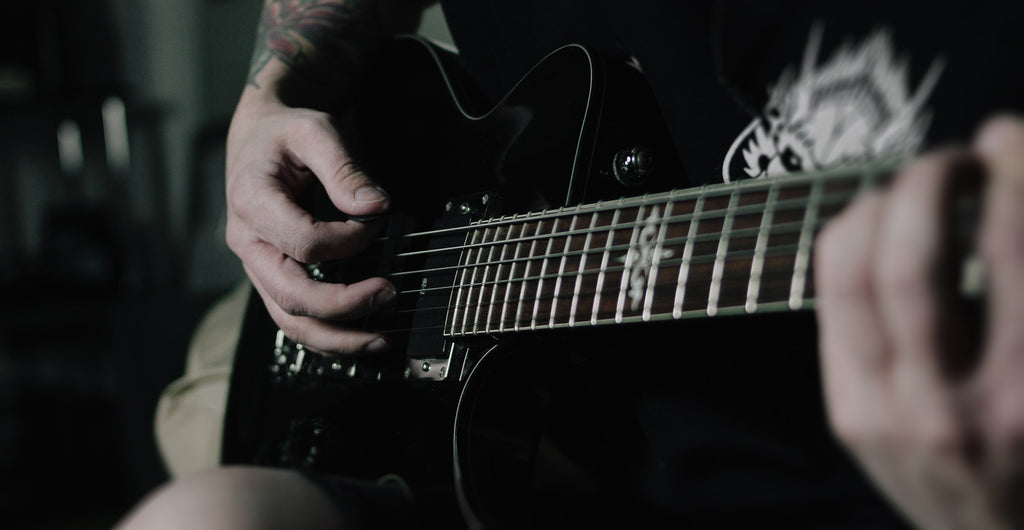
(320,45)
(307,58)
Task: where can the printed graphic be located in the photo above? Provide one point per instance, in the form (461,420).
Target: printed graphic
(856,106)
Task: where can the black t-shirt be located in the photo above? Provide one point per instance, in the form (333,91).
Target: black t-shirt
(714,65)
(734,428)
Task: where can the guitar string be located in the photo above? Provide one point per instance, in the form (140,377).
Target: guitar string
(699,258)
(781,229)
(799,205)
(801,181)
(581,318)
(735,254)
(766,275)
(667,264)
(789,205)
(830,199)
(706,216)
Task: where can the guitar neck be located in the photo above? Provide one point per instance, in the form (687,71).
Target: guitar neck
(715,250)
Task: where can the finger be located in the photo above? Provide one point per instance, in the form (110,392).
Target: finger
(853,353)
(321,335)
(1001,146)
(288,284)
(1000,143)
(914,301)
(267,206)
(318,145)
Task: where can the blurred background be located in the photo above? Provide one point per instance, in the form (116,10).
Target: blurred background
(113,116)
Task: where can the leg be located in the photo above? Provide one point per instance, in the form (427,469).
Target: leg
(237,497)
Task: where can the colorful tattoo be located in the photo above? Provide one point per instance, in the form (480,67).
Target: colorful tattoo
(318,39)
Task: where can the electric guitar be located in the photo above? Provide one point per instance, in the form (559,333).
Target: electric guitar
(569,223)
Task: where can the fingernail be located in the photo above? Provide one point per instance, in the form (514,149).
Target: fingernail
(999,133)
(382,297)
(368,194)
(378,345)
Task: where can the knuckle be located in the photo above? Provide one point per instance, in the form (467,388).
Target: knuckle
(350,305)
(1001,126)
(291,304)
(846,429)
(233,236)
(853,432)
(839,274)
(236,199)
(929,169)
(1003,244)
(311,123)
(1008,433)
(903,276)
(944,442)
(303,251)
(349,173)
(306,248)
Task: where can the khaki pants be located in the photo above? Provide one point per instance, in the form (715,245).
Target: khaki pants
(190,414)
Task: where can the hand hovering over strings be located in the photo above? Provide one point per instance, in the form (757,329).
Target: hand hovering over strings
(282,141)
(934,415)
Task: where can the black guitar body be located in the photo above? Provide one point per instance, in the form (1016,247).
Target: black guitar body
(496,431)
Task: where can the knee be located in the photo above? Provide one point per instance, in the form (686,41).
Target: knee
(236,498)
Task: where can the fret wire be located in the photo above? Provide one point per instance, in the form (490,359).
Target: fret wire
(798,204)
(543,268)
(876,169)
(798,283)
(866,174)
(723,247)
(787,250)
(803,246)
(497,279)
(757,263)
(561,269)
(526,272)
(604,265)
(627,272)
(745,232)
(480,299)
(700,258)
(684,265)
(866,181)
(511,276)
(693,282)
(472,279)
(652,276)
(579,270)
(458,298)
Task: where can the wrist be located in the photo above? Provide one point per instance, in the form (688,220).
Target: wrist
(278,84)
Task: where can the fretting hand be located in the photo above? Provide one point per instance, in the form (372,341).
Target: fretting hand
(935,420)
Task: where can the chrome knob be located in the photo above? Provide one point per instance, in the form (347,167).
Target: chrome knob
(633,165)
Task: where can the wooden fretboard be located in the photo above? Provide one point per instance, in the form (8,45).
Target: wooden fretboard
(714,250)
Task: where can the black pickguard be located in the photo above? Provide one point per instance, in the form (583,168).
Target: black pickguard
(420,129)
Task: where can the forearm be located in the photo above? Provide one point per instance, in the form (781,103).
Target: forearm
(310,52)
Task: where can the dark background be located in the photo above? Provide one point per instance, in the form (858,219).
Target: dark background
(113,116)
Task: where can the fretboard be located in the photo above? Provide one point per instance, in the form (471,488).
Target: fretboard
(716,250)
